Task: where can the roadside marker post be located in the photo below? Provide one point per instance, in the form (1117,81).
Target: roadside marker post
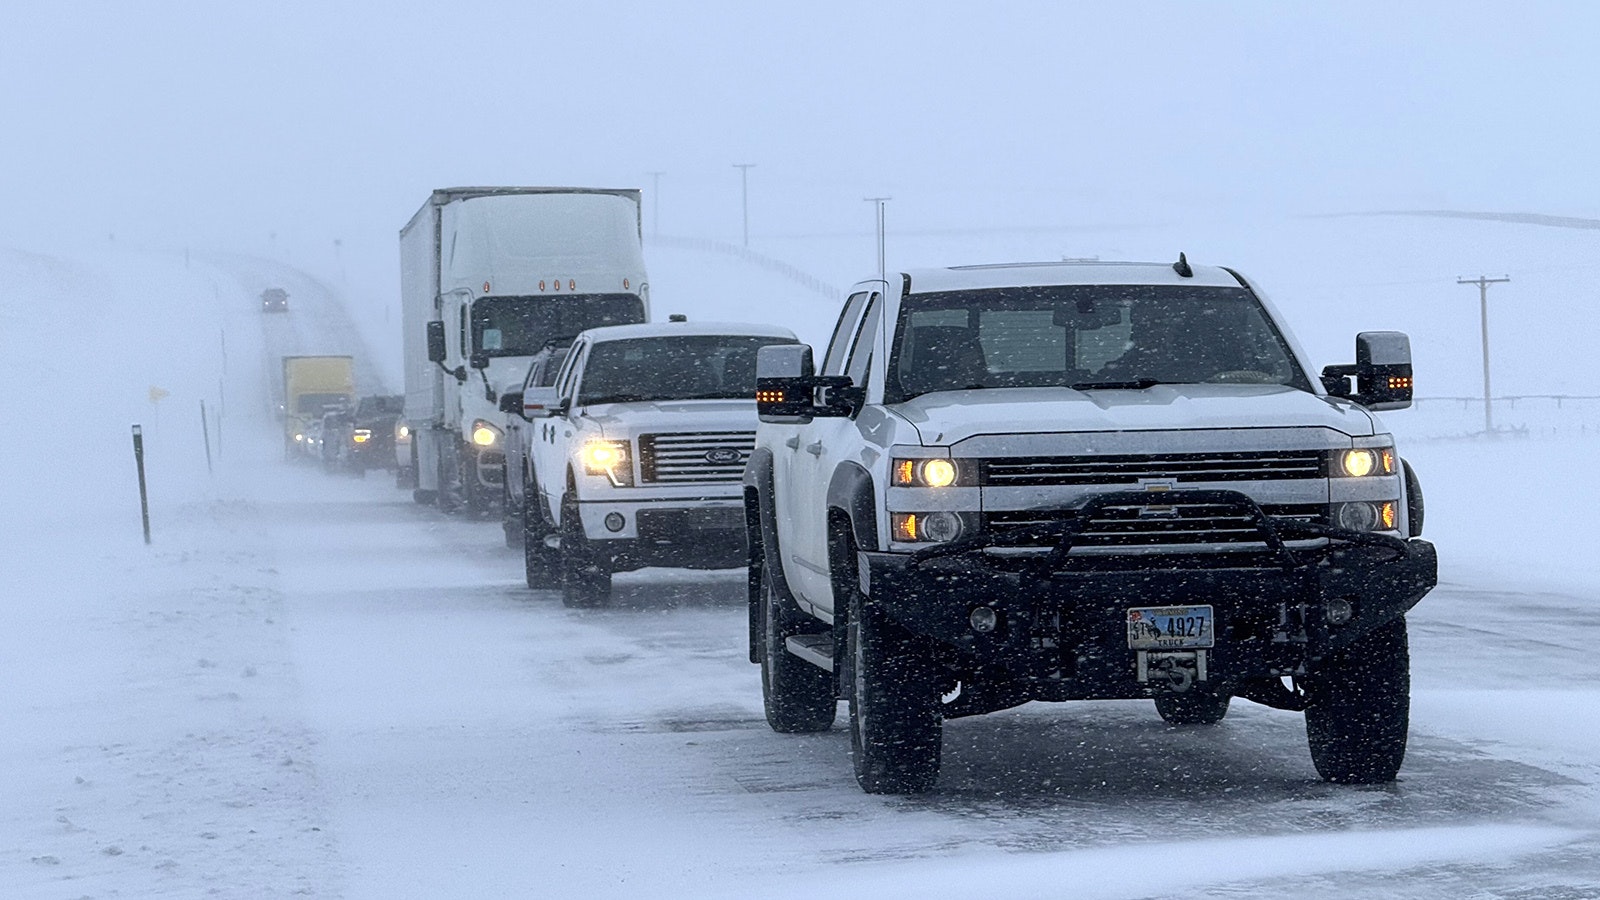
(144,497)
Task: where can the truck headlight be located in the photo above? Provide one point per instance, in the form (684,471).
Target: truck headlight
(1364,515)
(361,435)
(485,434)
(925,528)
(1364,461)
(609,458)
(402,432)
(935,473)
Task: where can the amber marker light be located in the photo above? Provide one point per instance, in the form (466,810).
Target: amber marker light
(905,527)
(1388,518)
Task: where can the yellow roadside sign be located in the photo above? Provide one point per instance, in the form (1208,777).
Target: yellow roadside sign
(157,393)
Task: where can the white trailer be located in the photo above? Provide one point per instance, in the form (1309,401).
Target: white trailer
(488,277)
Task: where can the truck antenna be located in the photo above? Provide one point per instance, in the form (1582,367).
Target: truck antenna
(1182,267)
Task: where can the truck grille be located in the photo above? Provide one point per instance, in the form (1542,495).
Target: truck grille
(1128,470)
(1133,525)
(700,458)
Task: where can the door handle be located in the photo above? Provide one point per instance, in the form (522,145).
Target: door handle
(814,449)
(793,443)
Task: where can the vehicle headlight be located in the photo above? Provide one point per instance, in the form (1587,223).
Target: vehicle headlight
(935,473)
(1366,515)
(484,434)
(925,528)
(402,432)
(609,458)
(1364,461)
(361,435)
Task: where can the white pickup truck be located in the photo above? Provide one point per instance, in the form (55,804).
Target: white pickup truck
(635,454)
(1080,481)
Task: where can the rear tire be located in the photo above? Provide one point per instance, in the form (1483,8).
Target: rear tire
(798,696)
(896,727)
(510,515)
(1196,706)
(585,576)
(1360,706)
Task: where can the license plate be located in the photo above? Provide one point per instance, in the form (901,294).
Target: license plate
(1170,627)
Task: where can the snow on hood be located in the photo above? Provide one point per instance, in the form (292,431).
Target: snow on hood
(945,417)
(644,416)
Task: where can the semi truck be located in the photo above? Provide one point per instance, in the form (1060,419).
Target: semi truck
(311,384)
(489,276)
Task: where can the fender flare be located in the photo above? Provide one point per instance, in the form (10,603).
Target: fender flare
(1414,504)
(761,536)
(850,490)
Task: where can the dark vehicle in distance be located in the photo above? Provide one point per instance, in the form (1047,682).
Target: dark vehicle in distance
(274,300)
(542,371)
(355,439)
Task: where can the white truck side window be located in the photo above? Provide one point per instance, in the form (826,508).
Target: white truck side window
(866,337)
(833,364)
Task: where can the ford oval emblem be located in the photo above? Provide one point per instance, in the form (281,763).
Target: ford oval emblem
(723,456)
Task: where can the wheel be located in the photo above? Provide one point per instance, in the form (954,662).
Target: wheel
(448,495)
(895,724)
(585,576)
(510,514)
(539,562)
(473,493)
(797,695)
(1196,706)
(1359,708)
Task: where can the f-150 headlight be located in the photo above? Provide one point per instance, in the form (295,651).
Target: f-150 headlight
(609,458)
(485,434)
(935,473)
(1364,461)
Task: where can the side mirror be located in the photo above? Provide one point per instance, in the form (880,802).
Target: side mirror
(788,392)
(436,343)
(1382,372)
(511,402)
(536,403)
(479,359)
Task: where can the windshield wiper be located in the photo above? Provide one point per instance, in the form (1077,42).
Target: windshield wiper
(618,398)
(1130,384)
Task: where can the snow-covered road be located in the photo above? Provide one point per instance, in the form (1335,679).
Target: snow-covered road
(309,685)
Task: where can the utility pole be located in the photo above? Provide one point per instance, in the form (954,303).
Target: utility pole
(879,201)
(744,195)
(655,203)
(1483,283)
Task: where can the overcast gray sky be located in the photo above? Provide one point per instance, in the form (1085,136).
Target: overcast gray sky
(219,124)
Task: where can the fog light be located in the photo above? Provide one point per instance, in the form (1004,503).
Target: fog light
(983,619)
(1339,611)
(615,521)
(941,526)
(1357,516)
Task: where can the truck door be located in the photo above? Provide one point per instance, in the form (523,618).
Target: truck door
(549,439)
(818,448)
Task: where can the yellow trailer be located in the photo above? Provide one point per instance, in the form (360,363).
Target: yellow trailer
(311,384)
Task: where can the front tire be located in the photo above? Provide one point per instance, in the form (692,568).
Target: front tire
(896,727)
(1359,708)
(585,576)
(798,696)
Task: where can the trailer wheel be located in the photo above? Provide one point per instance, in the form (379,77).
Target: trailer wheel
(1360,705)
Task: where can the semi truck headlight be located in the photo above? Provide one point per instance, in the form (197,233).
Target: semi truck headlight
(1362,515)
(608,458)
(936,473)
(484,434)
(361,435)
(1364,461)
(402,432)
(925,528)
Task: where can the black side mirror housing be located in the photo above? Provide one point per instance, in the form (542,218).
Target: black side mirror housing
(511,402)
(436,343)
(539,403)
(479,359)
(788,390)
(1382,372)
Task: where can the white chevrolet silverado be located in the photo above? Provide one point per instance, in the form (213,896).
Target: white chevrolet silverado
(1080,481)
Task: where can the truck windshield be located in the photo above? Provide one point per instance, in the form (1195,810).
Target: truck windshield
(522,326)
(1086,337)
(700,367)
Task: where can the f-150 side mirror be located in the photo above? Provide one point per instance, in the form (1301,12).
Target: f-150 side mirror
(436,344)
(538,403)
(788,392)
(1382,372)
(511,402)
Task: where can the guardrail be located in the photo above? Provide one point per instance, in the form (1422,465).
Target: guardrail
(1514,414)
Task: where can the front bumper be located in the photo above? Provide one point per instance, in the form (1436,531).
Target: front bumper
(704,534)
(1062,631)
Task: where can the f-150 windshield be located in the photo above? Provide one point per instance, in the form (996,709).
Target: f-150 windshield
(522,326)
(1098,337)
(673,368)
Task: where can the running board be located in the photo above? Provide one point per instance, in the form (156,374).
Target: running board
(816,649)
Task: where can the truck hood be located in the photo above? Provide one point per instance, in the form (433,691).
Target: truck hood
(620,420)
(945,417)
